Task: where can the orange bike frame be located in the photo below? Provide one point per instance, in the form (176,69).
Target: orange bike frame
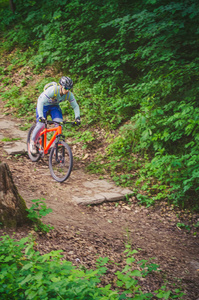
(58,130)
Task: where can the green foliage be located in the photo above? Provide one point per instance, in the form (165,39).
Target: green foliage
(145,200)
(182,225)
(128,279)
(9,139)
(26,274)
(137,68)
(85,137)
(36,212)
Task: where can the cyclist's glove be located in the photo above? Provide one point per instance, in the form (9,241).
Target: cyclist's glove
(77,121)
(42,119)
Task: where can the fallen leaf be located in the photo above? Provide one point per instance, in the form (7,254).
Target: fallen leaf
(127,207)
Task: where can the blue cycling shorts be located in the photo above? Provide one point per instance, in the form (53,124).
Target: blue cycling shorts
(53,110)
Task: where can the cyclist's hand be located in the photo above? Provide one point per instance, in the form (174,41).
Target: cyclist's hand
(42,120)
(77,121)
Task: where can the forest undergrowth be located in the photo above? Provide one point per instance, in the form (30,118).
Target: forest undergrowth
(135,68)
(135,71)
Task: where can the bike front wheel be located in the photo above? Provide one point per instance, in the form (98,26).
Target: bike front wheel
(60,161)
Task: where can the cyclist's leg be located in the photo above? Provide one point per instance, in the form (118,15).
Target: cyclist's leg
(56,113)
(39,126)
(35,135)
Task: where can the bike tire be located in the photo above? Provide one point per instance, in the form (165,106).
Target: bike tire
(33,157)
(60,161)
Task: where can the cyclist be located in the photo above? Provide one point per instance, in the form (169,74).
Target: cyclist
(48,103)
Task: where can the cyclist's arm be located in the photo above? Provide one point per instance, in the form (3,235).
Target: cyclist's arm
(40,106)
(44,99)
(73,103)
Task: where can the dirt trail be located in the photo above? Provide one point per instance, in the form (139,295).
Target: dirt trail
(82,232)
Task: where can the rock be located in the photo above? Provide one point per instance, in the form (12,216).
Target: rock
(111,196)
(89,201)
(16,148)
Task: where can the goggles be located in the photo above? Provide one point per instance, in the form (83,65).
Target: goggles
(66,88)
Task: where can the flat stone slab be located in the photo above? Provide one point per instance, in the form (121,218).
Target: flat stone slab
(112,196)
(88,200)
(20,134)
(7,124)
(10,127)
(101,197)
(15,148)
(16,133)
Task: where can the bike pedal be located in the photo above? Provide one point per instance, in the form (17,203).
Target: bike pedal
(41,153)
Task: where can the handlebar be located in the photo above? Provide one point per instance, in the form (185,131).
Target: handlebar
(59,123)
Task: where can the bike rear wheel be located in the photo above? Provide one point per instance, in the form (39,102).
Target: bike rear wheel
(33,157)
(60,161)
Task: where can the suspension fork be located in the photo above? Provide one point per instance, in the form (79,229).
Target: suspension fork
(59,137)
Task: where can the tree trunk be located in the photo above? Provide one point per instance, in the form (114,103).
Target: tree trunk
(12,5)
(12,206)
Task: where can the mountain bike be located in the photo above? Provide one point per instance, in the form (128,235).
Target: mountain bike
(61,158)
